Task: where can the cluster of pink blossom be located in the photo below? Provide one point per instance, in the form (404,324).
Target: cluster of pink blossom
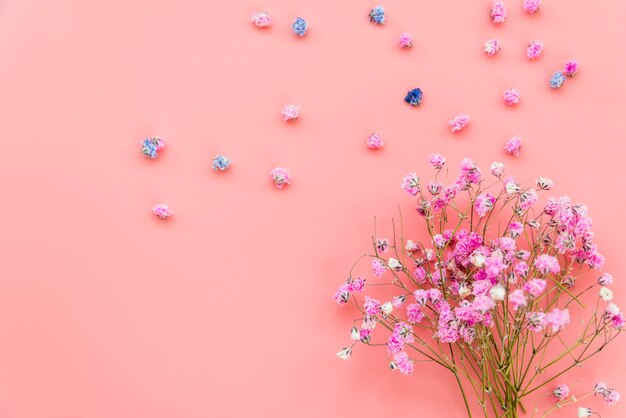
(511,97)
(534,50)
(162,211)
(531,6)
(459,122)
(375,141)
(280,176)
(492,46)
(290,112)
(261,19)
(406,40)
(498,11)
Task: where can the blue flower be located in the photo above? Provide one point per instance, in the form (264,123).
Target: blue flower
(220,163)
(149,148)
(377,15)
(414,97)
(300,26)
(557,80)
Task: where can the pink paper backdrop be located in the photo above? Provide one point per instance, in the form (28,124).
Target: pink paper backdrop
(225,310)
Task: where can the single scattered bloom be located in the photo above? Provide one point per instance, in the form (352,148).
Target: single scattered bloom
(411,184)
(557,80)
(606,294)
(513,146)
(535,286)
(605,280)
(299,27)
(220,163)
(406,40)
(561,392)
(584,412)
(377,15)
(290,112)
(261,20)
(571,68)
(162,211)
(498,12)
(151,146)
(375,141)
(437,161)
(547,264)
(357,285)
(534,50)
(557,319)
(414,97)
(518,299)
(511,97)
(492,46)
(459,122)
(345,353)
(531,6)
(496,169)
(280,176)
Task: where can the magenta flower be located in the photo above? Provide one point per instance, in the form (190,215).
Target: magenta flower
(571,68)
(437,161)
(484,203)
(513,146)
(531,6)
(374,141)
(498,12)
(162,211)
(406,40)
(459,122)
(492,47)
(511,97)
(534,50)
(371,306)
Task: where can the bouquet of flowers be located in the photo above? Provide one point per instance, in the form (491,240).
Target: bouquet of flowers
(490,293)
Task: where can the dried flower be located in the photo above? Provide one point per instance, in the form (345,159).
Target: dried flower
(513,146)
(220,163)
(150,146)
(534,50)
(459,122)
(280,176)
(571,68)
(492,47)
(261,20)
(162,211)
(498,12)
(511,97)
(406,40)
(377,15)
(300,27)
(531,6)
(557,80)
(437,161)
(561,392)
(414,97)
(290,112)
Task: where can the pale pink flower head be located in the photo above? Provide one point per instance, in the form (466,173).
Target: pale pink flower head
(411,184)
(261,19)
(375,141)
(378,268)
(437,161)
(483,303)
(610,396)
(498,12)
(513,146)
(492,47)
(403,363)
(571,68)
(511,97)
(162,211)
(290,112)
(516,229)
(484,203)
(534,50)
(531,6)
(561,392)
(557,319)
(371,306)
(496,169)
(600,388)
(547,264)
(406,40)
(459,122)
(617,321)
(342,295)
(280,176)
(518,299)
(536,321)
(605,280)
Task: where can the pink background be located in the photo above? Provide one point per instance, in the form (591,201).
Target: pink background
(225,310)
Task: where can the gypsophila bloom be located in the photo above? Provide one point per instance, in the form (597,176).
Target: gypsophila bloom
(411,184)
(558,319)
(437,161)
(414,97)
(394,264)
(571,68)
(518,299)
(561,392)
(411,246)
(382,245)
(261,20)
(531,6)
(375,141)
(534,50)
(557,80)
(458,122)
(492,46)
(535,287)
(484,203)
(150,146)
(606,294)
(584,412)
(280,176)
(290,112)
(513,146)
(220,163)
(498,12)
(610,396)
(544,183)
(497,293)
(345,353)
(547,264)
(342,295)
(299,27)
(406,40)
(378,268)
(162,211)
(511,97)
(496,169)
(600,388)
(356,285)
(377,15)
(605,280)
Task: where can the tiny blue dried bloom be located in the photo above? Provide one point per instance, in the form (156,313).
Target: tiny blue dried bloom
(220,163)
(377,15)
(557,80)
(150,146)
(300,26)
(414,97)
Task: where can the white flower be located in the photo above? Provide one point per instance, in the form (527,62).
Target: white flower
(354,333)
(606,294)
(497,292)
(544,183)
(464,290)
(386,308)
(612,309)
(511,187)
(497,169)
(411,246)
(345,353)
(477,259)
(394,264)
(584,412)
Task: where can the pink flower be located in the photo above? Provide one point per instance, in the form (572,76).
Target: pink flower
(404,364)
(437,161)
(516,228)
(290,112)
(280,176)
(536,321)
(571,68)
(421,296)
(357,285)
(406,40)
(561,392)
(531,6)
(511,97)
(547,264)
(558,319)
(534,50)
(162,211)
(365,335)
(414,313)
(374,141)
(521,269)
(518,299)
(411,184)
(492,46)
(342,295)
(513,146)
(434,295)
(419,274)
(483,303)
(498,12)
(484,203)
(527,199)
(378,268)
(371,306)
(496,169)
(535,286)
(458,122)
(617,321)
(610,396)
(261,20)
(605,280)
